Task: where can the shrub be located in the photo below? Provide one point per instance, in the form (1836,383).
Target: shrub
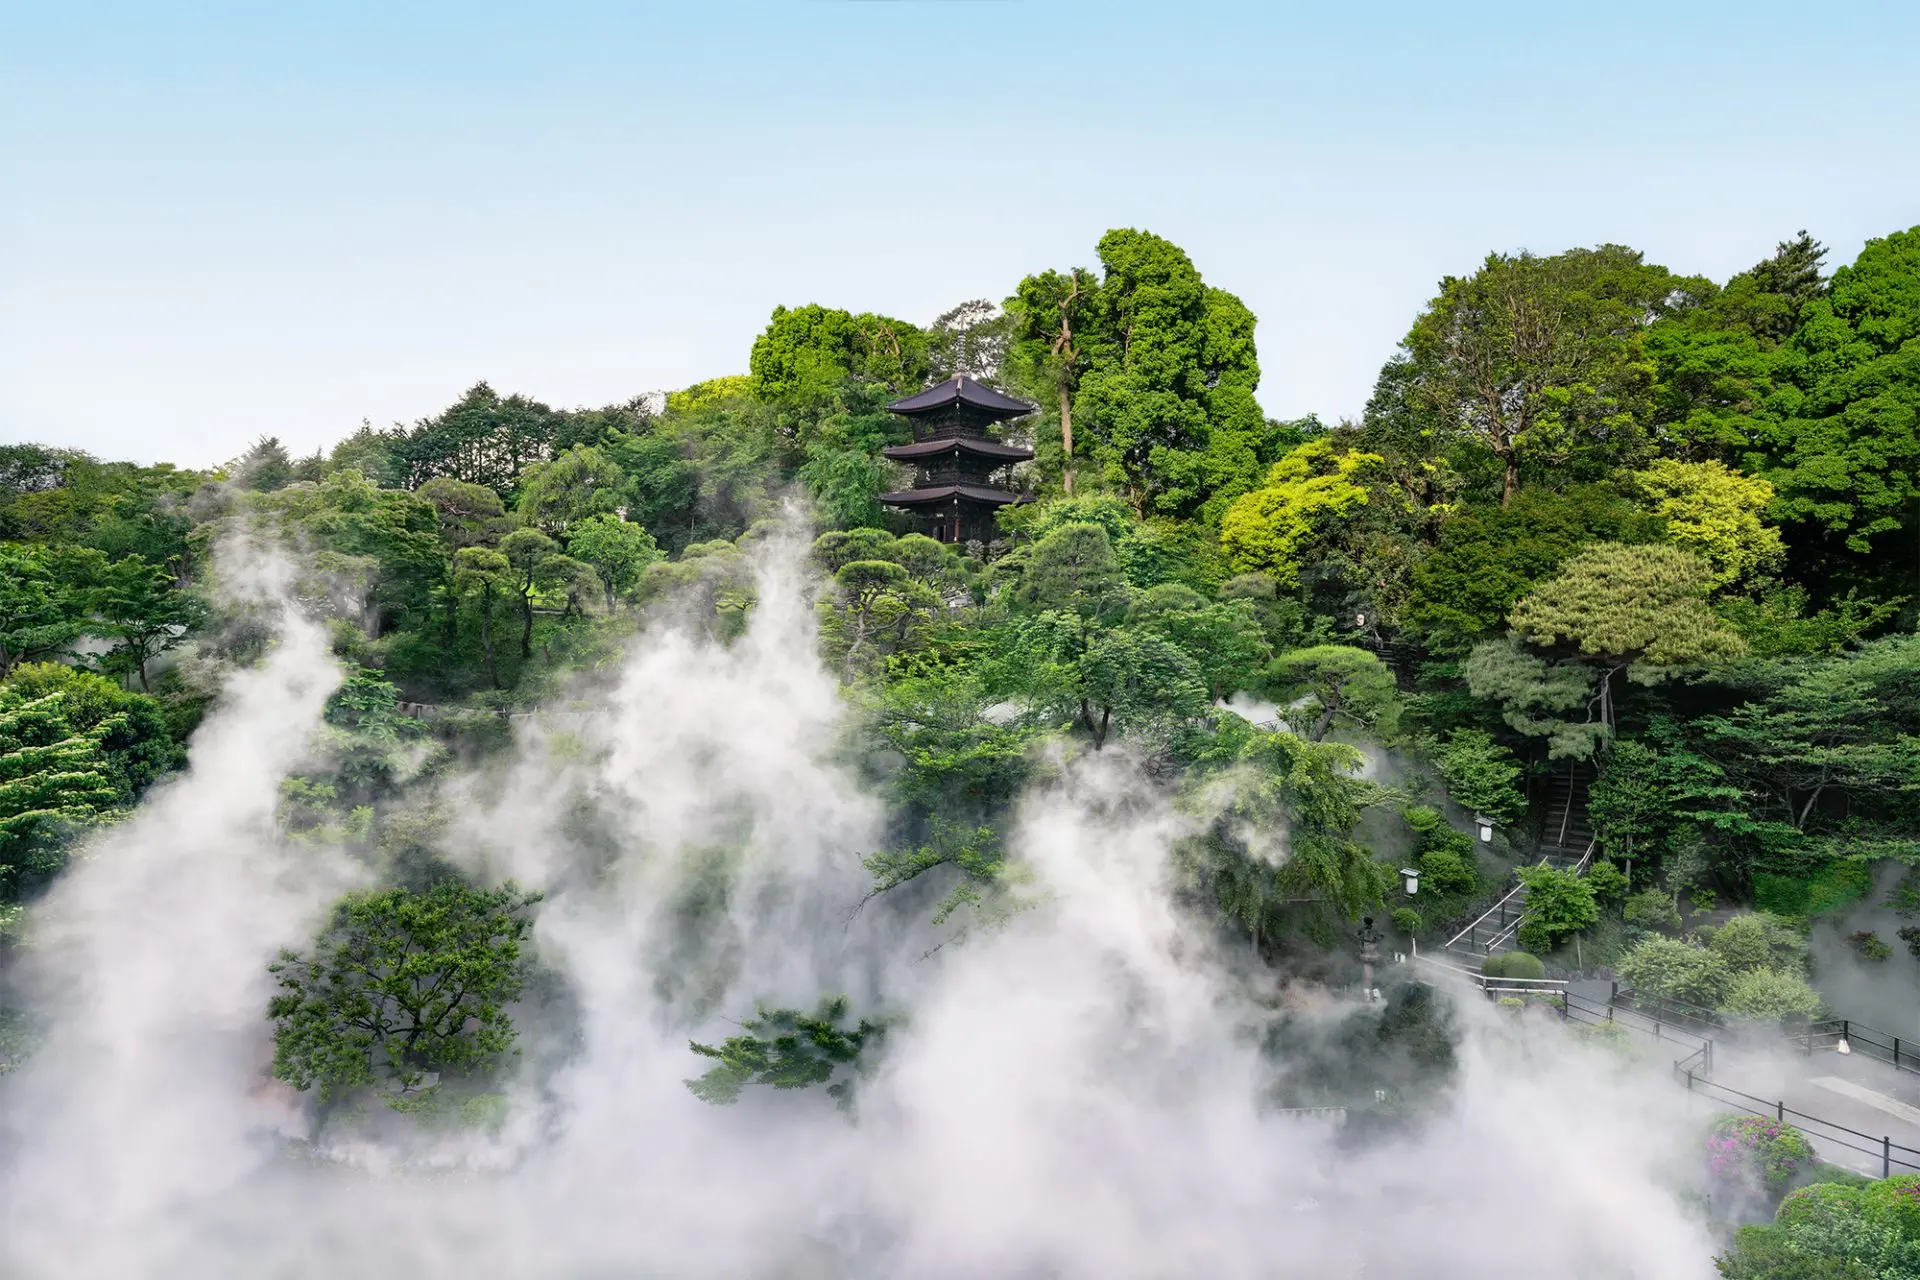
(1768,995)
(1606,880)
(1895,1202)
(1652,910)
(1760,940)
(1482,774)
(1447,872)
(1513,964)
(1833,887)
(1406,920)
(1870,945)
(1610,1034)
(1679,970)
(1512,1004)
(1559,904)
(1911,936)
(1756,1149)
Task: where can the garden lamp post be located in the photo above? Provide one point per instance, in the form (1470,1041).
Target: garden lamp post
(1485,824)
(1410,876)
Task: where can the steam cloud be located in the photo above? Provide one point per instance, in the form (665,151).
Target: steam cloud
(1074,1094)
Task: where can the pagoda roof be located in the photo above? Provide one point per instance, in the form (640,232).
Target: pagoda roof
(942,492)
(961,389)
(964,444)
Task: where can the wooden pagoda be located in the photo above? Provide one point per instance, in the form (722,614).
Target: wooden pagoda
(956,455)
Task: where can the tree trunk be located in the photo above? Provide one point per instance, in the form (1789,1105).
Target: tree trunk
(1066,438)
(526,624)
(1511,484)
(142,668)
(486,636)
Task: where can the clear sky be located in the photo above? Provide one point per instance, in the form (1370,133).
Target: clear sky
(222,220)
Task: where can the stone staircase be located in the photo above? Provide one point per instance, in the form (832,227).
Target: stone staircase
(1566,843)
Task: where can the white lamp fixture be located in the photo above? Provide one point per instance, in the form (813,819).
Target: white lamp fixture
(1412,876)
(1360,620)
(1485,824)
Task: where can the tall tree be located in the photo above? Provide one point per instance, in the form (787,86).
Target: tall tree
(1538,360)
(1045,310)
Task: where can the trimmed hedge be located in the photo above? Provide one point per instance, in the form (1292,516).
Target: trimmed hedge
(1514,964)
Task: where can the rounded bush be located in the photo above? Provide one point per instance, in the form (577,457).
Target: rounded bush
(1448,872)
(1895,1202)
(1406,920)
(1757,1149)
(1824,1204)
(1514,964)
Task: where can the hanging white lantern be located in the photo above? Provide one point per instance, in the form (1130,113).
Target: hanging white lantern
(1485,824)
(1412,877)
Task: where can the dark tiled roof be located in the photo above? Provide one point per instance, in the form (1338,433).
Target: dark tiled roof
(940,492)
(964,390)
(966,444)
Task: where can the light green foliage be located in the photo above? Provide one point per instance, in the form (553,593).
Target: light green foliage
(1559,905)
(136,606)
(617,550)
(1658,966)
(1150,552)
(557,495)
(705,395)
(1833,1231)
(1768,995)
(1760,940)
(1406,920)
(400,984)
(51,776)
(1714,512)
(1313,488)
(1775,621)
(1651,909)
(131,728)
(1621,604)
(1608,882)
(1481,774)
(1332,685)
(1534,694)
(789,1049)
(807,352)
(879,607)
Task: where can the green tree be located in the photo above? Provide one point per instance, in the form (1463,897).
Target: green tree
(43,607)
(806,352)
(527,552)
(1626,607)
(556,495)
(137,607)
(1223,637)
(876,600)
(1481,774)
(1275,527)
(1539,362)
(1487,558)
(1045,311)
(619,551)
(1677,970)
(1559,905)
(401,984)
(789,1049)
(131,728)
(1714,512)
(51,776)
(1074,568)
(1333,684)
(483,575)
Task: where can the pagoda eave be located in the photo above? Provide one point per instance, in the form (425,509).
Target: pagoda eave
(999,453)
(942,493)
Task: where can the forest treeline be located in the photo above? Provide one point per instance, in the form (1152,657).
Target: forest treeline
(1595,514)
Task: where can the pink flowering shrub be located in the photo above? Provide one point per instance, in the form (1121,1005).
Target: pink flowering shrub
(1754,1148)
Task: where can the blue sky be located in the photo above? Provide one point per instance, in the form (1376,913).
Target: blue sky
(218,221)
